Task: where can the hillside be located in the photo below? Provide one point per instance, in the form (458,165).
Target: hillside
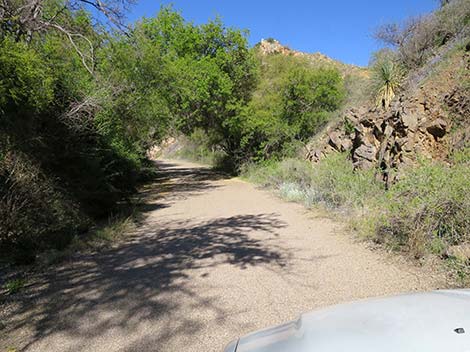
(394,158)
(426,119)
(356,79)
(429,118)
(272,46)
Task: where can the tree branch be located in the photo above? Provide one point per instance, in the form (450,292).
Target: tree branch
(75,46)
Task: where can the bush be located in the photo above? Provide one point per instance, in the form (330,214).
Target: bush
(426,211)
(338,185)
(24,78)
(418,38)
(331,183)
(60,169)
(308,96)
(430,204)
(34,214)
(387,76)
(292,101)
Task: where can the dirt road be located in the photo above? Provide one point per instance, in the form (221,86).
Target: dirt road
(214,258)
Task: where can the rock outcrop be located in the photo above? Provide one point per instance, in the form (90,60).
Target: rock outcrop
(388,140)
(273,47)
(429,119)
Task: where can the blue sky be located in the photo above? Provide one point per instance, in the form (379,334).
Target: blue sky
(341,29)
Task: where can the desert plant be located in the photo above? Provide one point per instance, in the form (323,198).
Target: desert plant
(387,78)
(332,183)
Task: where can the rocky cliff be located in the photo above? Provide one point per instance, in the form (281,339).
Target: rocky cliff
(429,119)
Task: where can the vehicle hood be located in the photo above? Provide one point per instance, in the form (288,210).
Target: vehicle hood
(412,322)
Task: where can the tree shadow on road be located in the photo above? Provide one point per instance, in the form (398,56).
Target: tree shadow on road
(138,281)
(185,181)
(173,182)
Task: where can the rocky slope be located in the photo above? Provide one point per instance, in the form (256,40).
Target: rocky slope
(429,119)
(272,46)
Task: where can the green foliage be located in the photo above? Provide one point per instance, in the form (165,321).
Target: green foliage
(207,74)
(387,77)
(73,144)
(309,95)
(348,126)
(292,101)
(338,185)
(426,211)
(25,80)
(332,183)
(14,286)
(429,205)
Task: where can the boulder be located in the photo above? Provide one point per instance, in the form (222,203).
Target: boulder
(363,164)
(367,152)
(346,144)
(410,121)
(334,140)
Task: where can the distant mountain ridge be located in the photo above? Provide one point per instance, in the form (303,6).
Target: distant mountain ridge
(272,46)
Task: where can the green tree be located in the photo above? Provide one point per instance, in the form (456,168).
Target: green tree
(308,98)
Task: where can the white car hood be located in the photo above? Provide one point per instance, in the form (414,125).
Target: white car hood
(424,322)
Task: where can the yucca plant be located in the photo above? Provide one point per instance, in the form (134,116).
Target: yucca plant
(387,77)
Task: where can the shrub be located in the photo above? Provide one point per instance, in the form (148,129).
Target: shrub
(332,182)
(308,96)
(14,286)
(418,38)
(426,211)
(338,185)
(387,76)
(291,102)
(430,204)
(292,192)
(24,78)
(34,214)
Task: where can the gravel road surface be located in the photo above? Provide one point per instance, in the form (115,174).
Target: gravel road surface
(212,259)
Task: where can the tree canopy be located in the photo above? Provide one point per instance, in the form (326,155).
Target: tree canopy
(82,100)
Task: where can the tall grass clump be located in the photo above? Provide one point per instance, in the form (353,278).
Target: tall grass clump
(428,210)
(331,183)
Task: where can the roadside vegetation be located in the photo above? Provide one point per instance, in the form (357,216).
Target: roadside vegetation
(426,211)
(333,183)
(82,100)
(291,101)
